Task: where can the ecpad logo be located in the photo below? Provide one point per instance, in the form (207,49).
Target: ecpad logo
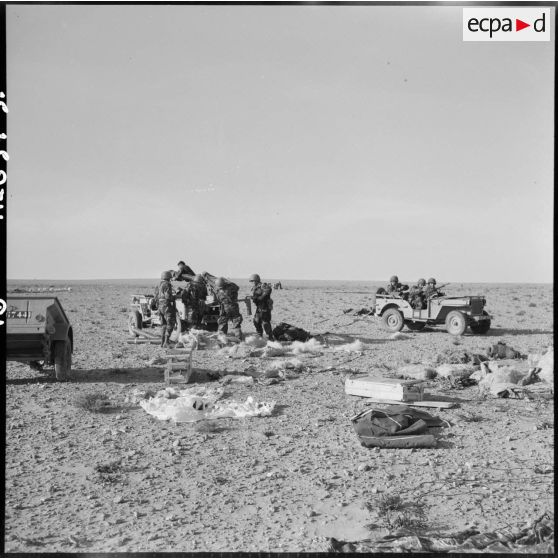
(506,24)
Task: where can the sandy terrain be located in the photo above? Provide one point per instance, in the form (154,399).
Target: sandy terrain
(279,483)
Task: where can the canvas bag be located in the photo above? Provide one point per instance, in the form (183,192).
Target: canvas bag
(397,426)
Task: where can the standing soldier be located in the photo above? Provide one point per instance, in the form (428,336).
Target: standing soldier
(227,295)
(261,295)
(167,307)
(416,294)
(193,297)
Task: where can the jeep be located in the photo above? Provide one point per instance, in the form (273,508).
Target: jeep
(455,312)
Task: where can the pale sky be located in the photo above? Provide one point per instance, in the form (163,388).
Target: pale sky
(301,142)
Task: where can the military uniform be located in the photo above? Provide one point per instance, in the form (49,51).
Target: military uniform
(185,273)
(261,295)
(416,295)
(167,308)
(431,290)
(193,298)
(229,310)
(396,288)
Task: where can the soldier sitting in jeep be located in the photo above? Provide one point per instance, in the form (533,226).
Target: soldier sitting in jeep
(431,290)
(417,298)
(396,288)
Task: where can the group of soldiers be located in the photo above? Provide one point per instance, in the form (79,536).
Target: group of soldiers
(194,296)
(418,294)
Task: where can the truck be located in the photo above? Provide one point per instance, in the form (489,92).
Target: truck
(39,333)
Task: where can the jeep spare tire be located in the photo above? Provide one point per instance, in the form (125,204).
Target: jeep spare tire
(456,323)
(393,319)
(481,327)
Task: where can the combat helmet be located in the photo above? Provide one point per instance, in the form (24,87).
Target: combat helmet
(432,280)
(254,278)
(421,282)
(220,282)
(394,279)
(166,275)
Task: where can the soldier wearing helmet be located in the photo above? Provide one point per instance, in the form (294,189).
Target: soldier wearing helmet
(226,293)
(431,290)
(395,287)
(167,307)
(416,294)
(261,295)
(193,297)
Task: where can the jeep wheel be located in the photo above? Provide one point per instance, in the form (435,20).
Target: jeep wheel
(456,323)
(415,326)
(62,359)
(135,322)
(480,327)
(393,319)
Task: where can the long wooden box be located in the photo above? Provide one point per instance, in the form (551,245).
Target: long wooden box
(385,388)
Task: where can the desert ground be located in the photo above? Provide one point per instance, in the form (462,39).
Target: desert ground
(124,481)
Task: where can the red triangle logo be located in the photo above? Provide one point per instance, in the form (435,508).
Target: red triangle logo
(519,25)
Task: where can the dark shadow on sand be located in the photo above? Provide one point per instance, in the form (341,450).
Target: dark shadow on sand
(334,339)
(495,331)
(111,375)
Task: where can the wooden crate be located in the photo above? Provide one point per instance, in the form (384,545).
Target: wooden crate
(385,388)
(179,366)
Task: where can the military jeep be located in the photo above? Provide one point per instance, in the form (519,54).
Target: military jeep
(38,333)
(455,312)
(142,313)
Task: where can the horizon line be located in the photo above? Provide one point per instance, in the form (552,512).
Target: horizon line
(277,280)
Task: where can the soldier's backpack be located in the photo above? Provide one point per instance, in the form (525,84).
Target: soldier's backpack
(154,304)
(288,332)
(397,426)
(266,287)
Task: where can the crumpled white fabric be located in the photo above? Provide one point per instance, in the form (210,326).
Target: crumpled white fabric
(311,346)
(255,341)
(200,403)
(354,347)
(546,364)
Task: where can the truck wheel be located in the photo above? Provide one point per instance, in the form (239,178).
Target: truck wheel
(393,319)
(456,323)
(481,327)
(135,322)
(62,359)
(415,326)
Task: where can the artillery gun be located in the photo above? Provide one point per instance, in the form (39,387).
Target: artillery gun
(144,314)
(212,307)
